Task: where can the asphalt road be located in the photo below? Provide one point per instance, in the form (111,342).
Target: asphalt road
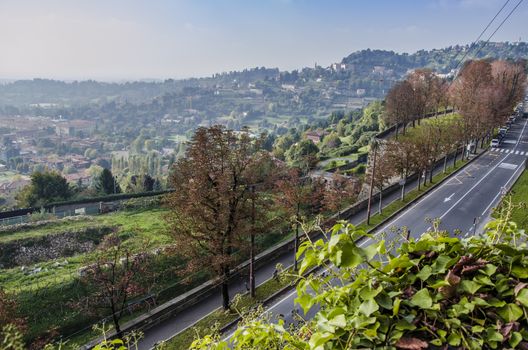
(458,203)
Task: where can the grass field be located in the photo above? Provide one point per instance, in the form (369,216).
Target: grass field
(519,196)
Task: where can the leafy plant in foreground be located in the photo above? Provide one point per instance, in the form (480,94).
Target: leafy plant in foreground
(432,292)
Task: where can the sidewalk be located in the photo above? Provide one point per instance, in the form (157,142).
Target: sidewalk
(191,315)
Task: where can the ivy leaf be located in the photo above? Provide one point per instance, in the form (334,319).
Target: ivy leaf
(515,339)
(522,297)
(519,271)
(454,339)
(422,299)
(492,335)
(441,264)
(338,321)
(470,287)
(319,339)
(510,312)
(396,306)
(368,307)
(306,301)
(351,257)
(425,273)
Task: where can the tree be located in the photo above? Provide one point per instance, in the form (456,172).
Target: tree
(338,191)
(295,196)
(303,155)
(45,187)
(380,175)
(426,86)
(210,208)
(469,93)
(113,280)
(402,154)
(148,183)
(399,105)
(106,183)
(331,141)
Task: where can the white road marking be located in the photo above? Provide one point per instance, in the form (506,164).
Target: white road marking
(511,142)
(516,152)
(500,192)
(508,166)
(482,179)
(447,199)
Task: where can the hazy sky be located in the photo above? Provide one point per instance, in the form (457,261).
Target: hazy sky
(132,39)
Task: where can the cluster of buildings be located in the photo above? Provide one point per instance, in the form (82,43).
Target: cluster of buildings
(30,143)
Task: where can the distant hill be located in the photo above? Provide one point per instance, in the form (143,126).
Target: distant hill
(442,60)
(262,98)
(370,71)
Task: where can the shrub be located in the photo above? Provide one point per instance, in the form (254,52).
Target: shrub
(437,291)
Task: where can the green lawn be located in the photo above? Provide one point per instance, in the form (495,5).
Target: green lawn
(410,131)
(519,196)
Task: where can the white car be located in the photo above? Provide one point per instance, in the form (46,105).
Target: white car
(495,143)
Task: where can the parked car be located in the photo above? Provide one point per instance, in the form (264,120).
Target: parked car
(495,143)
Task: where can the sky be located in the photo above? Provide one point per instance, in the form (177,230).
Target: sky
(161,39)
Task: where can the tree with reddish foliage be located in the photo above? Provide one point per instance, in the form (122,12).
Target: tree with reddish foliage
(295,195)
(403,156)
(399,105)
(427,90)
(485,94)
(380,174)
(112,281)
(211,208)
(470,93)
(339,191)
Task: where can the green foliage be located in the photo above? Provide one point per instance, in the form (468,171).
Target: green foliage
(11,339)
(45,187)
(106,183)
(303,154)
(519,196)
(437,290)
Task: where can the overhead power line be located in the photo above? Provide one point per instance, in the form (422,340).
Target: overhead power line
(500,25)
(480,35)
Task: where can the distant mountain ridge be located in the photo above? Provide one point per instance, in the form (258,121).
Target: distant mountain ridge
(366,72)
(442,60)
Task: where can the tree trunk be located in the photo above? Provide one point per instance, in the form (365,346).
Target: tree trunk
(396,134)
(371,185)
(445,163)
(116,325)
(296,244)
(225,289)
(380,204)
(431,171)
(403,191)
